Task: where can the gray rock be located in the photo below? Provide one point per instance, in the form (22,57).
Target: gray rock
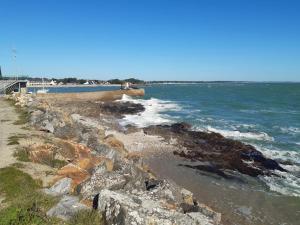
(66,208)
(101,179)
(47,126)
(123,208)
(61,187)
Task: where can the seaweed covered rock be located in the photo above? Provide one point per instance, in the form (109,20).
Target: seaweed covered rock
(121,108)
(214,152)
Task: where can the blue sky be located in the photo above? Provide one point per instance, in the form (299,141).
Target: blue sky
(255,40)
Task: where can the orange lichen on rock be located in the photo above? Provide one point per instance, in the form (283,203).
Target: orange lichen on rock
(74,172)
(89,163)
(73,150)
(116,144)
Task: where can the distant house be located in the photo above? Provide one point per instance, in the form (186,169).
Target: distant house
(41,83)
(53,82)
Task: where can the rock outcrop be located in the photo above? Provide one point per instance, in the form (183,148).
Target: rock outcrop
(61,187)
(119,109)
(67,207)
(215,153)
(140,209)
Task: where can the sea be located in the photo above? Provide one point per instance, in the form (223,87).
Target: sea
(265,115)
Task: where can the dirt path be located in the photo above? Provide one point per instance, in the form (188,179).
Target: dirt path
(7,128)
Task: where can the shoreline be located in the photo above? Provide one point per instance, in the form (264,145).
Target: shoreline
(92,124)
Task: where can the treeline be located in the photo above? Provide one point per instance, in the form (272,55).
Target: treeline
(74,80)
(130,80)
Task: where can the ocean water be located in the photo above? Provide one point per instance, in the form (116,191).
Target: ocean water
(266,115)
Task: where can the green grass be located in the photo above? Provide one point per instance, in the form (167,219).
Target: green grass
(18,165)
(26,204)
(87,217)
(23,113)
(14,140)
(23,116)
(3,121)
(15,183)
(56,163)
(22,154)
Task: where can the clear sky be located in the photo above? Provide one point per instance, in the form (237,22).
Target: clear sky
(256,40)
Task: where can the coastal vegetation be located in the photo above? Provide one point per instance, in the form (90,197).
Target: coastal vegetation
(25,204)
(23,114)
(14,140)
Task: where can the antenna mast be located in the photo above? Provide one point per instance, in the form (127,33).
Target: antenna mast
(14,58)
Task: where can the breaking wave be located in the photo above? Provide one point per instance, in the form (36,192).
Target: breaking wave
(235,134)
(153,114)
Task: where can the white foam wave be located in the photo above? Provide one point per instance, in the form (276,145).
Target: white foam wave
(235,134)
(280,155)
(152,114)
(292,130)
(285,183)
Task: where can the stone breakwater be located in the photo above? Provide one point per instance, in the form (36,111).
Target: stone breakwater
(100,170)
(92,96)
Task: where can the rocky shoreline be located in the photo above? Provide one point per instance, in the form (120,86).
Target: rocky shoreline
(104,167)
(99,171)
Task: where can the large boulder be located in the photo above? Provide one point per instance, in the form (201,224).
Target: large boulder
(122,208)
(66,208)
(61,187)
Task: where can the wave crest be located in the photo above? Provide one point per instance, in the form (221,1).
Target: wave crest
(152,114)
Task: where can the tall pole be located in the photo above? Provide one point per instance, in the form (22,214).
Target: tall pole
(14,57)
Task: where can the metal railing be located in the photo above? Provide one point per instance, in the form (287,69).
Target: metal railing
(7,86)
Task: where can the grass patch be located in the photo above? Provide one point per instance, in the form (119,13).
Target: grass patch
(22,154)
(15,183)
(87,217)
(14,140)
(25,128)
(57,163)
(26,204)
(3,121)
(18,165)
(23,113)
(23,116)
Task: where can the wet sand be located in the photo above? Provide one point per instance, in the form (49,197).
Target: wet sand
(243,201)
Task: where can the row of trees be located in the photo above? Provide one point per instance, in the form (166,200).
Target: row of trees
(74,80)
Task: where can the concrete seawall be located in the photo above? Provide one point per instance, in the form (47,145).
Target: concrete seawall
(93,96)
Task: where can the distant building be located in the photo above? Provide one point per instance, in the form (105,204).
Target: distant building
(41,83)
